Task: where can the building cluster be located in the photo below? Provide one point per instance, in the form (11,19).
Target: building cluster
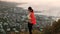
(15,19)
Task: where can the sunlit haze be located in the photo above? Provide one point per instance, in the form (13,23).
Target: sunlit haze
(48,7)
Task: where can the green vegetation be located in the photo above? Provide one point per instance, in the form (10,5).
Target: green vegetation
(54,29)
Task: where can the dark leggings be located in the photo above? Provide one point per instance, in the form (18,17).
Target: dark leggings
(30,27)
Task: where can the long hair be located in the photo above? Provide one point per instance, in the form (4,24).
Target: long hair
(30,8)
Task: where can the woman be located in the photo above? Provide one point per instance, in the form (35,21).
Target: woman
(31,19)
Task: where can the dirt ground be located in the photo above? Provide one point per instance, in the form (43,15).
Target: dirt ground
(34,32)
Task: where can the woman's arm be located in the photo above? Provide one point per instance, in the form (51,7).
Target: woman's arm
(29,16)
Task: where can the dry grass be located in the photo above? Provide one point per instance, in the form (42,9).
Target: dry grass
(34,32)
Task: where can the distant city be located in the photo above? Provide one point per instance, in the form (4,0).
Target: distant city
(17,16)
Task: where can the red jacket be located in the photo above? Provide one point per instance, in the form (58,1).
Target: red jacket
(33,19)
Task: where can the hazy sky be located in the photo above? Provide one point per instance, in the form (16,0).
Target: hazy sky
(48,7)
